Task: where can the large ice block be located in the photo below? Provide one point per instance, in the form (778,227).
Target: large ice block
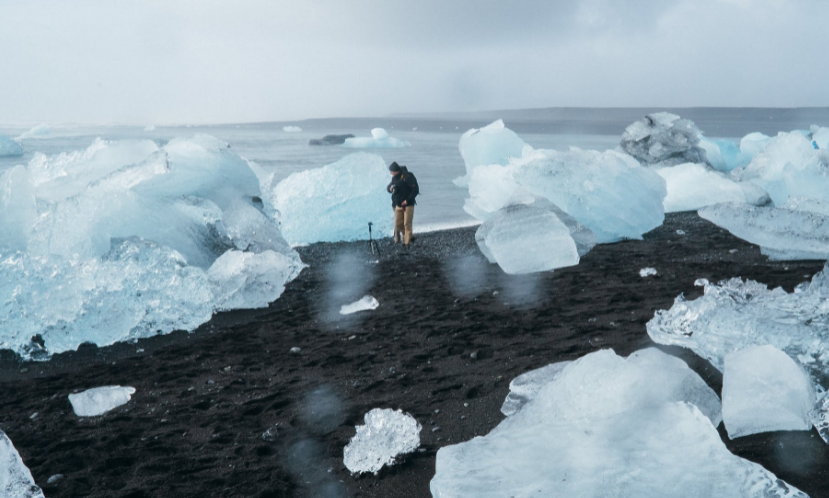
(16,480)
(608,192)
(9,147)
(18,209)
(783,233)
(608,426)
(789,166)
(99,400)
(527,239)
(693,186)
(753,144)
(665,139)
(492,144)
(737,314)
(379,139)
(526,386)
(386,435)
(765,390)
(335,202)
(246,280)
(723,154)
(820,136)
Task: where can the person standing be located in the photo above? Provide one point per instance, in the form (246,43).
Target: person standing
(403,189)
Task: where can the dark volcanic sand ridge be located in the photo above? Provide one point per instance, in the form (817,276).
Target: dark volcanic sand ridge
(195,425)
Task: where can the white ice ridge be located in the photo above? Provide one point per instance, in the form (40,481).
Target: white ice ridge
(738,314)
(9,147)
(765,390)
(16,480)
(117,242)
(364,304)
(663,139)
(797,230)
(694,186)
(99,400)
(608,426)
(291,129)
(335,202)
(647,272)
(379,139)
(386,435)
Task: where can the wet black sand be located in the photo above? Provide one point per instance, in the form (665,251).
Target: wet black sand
(195,425)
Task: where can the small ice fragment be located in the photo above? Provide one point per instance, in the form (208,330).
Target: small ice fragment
(380,139)
(647,272)
(386,434)
(291,129)
(16,480)
(680,232)
(700,282)
(765,390)
(99,400)
(149,128)
(296,350)
(364,304)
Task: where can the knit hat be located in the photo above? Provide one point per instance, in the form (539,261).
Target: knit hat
(394,166)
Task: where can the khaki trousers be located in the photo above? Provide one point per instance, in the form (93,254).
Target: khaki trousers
(403,223)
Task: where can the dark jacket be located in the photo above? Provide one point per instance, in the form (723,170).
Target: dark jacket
(403,187)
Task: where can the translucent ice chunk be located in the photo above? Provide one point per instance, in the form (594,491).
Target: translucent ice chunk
(9,147)
(18,208)
(291,129)
(782,233)
(364,304)
(735,315)
(380,139)
(608,192)
(16,480)
(765,390)
(784,156)
(663,138)
(525,387)
(246,280)
(99,400)
(693,186)
(723,154)
(335,202)
(753,144)
(527,239)
(492,144)
(39,131)
(820,136)
(386,435)
(647,272)
(608,426)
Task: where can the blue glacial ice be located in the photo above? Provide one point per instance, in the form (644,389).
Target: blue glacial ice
(765,390)
(117,242)
(582,434)
(735,314)
(490,145)
(723,154)
(99,400)
(663,139)
(379,139)
(335,202)
(16,480)
(820,136)
(9,147)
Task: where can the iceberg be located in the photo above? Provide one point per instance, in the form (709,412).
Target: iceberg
(9,147)
(99,400)
(608,426)
(38,131)
(527,239)
(16,480)
(116,242)
(693,186)
(736,314)
(783,233)
(335,202)
(365,304)
(379,139)
(291,129)
(492,144)
(386,435)
(663,139)
(765,390)
(330,139)
(723,154)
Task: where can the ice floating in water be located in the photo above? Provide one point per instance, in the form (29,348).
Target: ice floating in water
(527,239)
(386,435)
(765,390)
(526,386)
(40,130)
(9,147)
(735,315)
(608,426)
(16,480)
(694,186)
(647,272)
(379,139)
(291,129)
(335,202)
(364,304)
(99,400)
(115,242)
(492,144)
(783,233)
(663,138)
(149,128)
(723,154)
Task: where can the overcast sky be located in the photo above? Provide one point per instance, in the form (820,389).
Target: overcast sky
(201,61)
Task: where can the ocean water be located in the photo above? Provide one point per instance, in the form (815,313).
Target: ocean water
(434,155)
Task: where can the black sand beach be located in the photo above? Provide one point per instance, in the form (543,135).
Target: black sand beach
(449,335)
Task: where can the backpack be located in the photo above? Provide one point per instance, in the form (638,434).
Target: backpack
(411,179)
